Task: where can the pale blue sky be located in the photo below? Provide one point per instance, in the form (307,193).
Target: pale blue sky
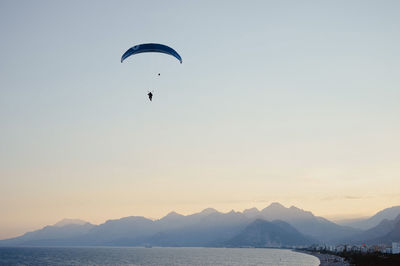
(290,101)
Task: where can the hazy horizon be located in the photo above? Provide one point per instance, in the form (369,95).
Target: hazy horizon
(276,101)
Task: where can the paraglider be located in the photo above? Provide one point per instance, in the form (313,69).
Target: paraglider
(151,48)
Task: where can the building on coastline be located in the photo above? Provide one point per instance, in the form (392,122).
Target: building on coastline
(363,248)
(340,248)
(396,248)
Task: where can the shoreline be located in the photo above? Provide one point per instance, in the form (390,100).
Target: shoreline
(326,259)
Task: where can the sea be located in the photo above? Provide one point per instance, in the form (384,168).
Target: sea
(152,256)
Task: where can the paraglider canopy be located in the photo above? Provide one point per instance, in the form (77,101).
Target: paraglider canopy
(151,48)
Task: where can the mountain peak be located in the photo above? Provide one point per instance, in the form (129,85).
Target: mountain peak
(275,205)
(208,211)
(251,210)
(68,221)
(173,214)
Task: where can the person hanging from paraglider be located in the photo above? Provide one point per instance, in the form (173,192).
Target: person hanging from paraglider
(150,94)
(151,48)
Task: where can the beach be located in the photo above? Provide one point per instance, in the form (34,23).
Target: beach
(327,259)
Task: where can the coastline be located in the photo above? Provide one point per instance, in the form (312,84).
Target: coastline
(326,259)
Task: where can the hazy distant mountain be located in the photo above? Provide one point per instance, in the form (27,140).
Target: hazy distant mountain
(364,224)
(391,236)
(206,228)
(378,234)
(202,229)
(304,221)
(67,221)
(125,231)
(277,211)
(251,213)
(51,234)
(261,233)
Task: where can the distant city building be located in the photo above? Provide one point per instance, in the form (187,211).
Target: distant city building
(396,248)
(340,248)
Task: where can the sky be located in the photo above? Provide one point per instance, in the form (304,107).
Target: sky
(294,102)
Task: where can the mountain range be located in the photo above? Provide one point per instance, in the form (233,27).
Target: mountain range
(273,226)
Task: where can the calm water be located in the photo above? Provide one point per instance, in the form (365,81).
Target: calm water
(152,256)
